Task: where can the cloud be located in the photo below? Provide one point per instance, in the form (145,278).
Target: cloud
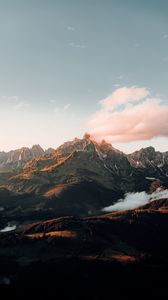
(63,109)
(20,105)
(60,109)
(67,106)
(116,85)
(124,95)
(120,77)
(135,200)
(14,102)
(126,116)
(9,98)
(74,45)
(136,45)
(70,28)
(52,101)
(165,59)
(165,36)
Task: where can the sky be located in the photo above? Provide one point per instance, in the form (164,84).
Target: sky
(70,67)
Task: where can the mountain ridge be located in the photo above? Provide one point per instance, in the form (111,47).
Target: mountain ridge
(16,159)
(83,176)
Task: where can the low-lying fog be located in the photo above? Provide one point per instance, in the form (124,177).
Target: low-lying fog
(135,200)
(8,228)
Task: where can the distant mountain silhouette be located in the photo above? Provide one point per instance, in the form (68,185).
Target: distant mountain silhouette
(16,159)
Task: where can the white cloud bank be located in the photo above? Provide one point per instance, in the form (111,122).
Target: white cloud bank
(135,200)
(129,114)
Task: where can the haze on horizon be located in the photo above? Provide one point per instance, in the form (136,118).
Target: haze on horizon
(70,67)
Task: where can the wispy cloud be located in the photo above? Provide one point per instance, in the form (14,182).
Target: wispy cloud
(120,77)
(124,95)
(165,36)
(71,28)
(62,109)
(10,98)
(129,114)
(14,102)
(52,101)
(74,45)
(20,105)
(165,59)
(67,106)
(136,45)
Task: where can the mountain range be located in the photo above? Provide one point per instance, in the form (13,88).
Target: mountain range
(16,159)
(81,176)
(61,243)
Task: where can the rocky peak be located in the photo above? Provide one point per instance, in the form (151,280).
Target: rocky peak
(49,151)
(148,157)
(106,147)
(87,144)
(87,136)
(75,145)
(37,150)
(16,159)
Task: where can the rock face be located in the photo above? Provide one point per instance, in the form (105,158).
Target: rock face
(16,159)
(152,163)
(149,158)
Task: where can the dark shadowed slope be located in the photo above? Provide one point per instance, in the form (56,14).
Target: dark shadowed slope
(92,257)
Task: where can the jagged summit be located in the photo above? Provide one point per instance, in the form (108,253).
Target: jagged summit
(35,156)
(87,143)
(148,157)
(37,147)
(16,159)
(87,136)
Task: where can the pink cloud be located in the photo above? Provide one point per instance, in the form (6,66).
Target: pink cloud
(124,95)
(136,121)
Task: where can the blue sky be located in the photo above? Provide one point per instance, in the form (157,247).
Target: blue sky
(58,59)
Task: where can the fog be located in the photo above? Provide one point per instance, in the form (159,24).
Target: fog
(8,228)
(135,200)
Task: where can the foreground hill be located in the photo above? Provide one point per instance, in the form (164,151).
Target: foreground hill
(139,227)
(91,257)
